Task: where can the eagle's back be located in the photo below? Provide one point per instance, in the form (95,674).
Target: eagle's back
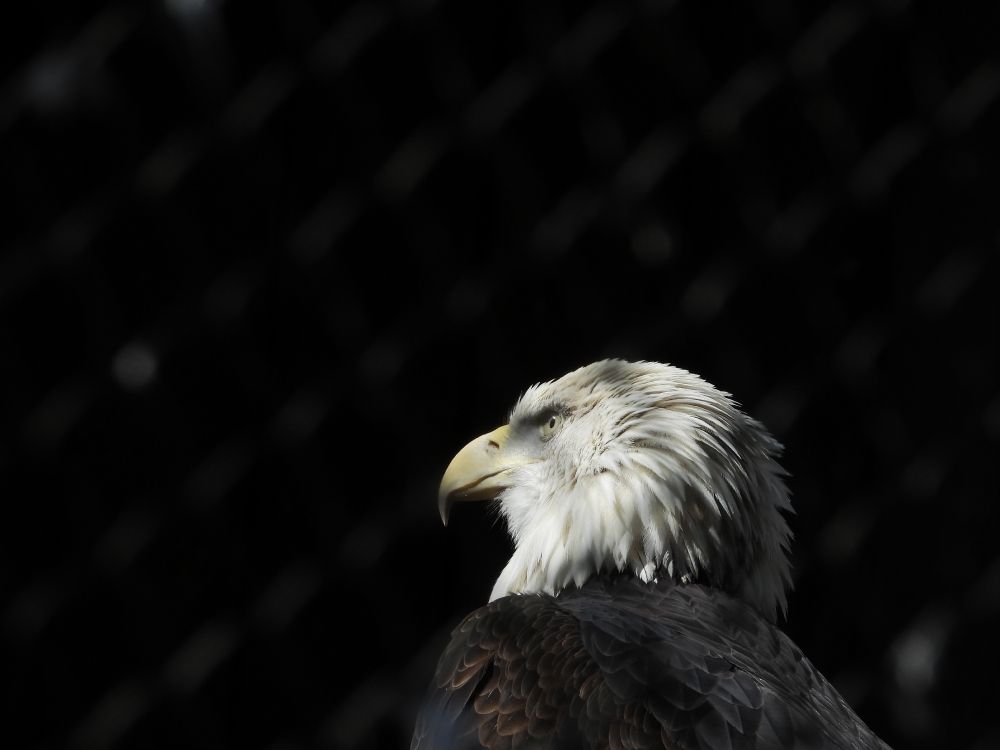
(623,664)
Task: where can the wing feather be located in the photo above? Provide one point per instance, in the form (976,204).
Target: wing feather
(624,664)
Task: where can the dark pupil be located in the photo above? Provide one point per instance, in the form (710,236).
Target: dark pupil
(552,422)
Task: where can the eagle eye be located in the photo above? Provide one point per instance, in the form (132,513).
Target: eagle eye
(551,422)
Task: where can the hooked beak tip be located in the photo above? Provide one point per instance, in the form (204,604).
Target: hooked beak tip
(444,507)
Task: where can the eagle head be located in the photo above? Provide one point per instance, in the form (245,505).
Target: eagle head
(635,467)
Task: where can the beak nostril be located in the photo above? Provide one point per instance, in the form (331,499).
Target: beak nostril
(494,444)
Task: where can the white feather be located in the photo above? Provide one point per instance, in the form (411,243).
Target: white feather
(654,470)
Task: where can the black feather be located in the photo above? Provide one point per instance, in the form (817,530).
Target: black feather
(623,664)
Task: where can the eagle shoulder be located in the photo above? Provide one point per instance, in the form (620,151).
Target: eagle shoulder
(620,663)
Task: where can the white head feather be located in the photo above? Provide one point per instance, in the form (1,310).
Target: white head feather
(647,468)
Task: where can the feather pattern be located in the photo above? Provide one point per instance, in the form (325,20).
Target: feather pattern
(618,663)
(655,471)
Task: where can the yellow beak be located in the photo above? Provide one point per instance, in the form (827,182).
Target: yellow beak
(480,471)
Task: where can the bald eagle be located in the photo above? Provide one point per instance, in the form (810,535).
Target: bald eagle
(650,564)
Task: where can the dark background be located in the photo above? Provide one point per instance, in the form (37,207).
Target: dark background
(268,266)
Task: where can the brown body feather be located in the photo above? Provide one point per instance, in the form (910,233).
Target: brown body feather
(623,664)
